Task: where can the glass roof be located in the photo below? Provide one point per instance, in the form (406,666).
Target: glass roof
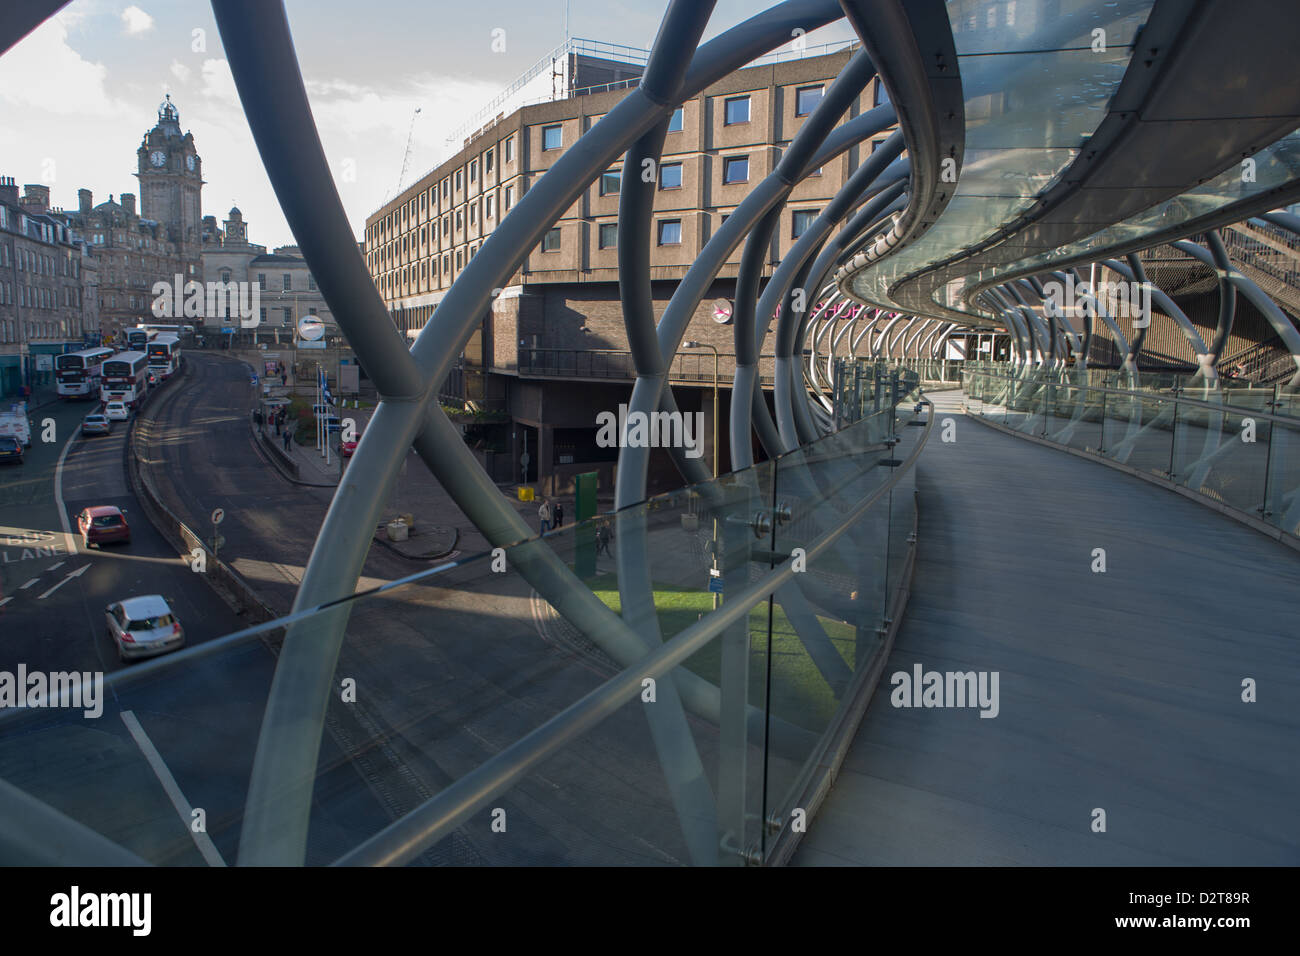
(1037,79)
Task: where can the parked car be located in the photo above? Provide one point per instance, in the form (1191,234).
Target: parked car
(347,448)
(143,626)
(11,450)
(96,424)
(102,524)
(117,411)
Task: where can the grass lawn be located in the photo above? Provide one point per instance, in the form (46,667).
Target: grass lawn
(799,692)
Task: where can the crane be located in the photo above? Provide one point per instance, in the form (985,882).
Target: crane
(406,160)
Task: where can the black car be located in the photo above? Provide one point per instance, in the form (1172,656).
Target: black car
(11,450)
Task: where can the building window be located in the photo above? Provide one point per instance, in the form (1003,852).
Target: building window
(803,218)
(735,169)
(446,188)
(608,235)
(460,220)
(446,225)
(487,162)
(288,282)
(670,175)
(446,263)
(460,180)
(882,95)
(611,181)
(490,210)
(510,197)
(288,316)
(510,149)
(261,281)
(551,241)
(473,214)
(670,232)
(552,137)
(460,259)
(806,99)
(675,121)
(473,170)
(311,283)
(736,110)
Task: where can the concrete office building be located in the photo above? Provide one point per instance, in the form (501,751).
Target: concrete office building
(552,352)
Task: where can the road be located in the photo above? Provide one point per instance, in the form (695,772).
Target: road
(54,590)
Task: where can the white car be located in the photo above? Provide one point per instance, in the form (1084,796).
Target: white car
(143,626)
(117,411)
(14,423)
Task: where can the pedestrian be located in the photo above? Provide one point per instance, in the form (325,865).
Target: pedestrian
(559,515)
(257,417)
(544,513)
(288,439)
(284,378)
(603,536)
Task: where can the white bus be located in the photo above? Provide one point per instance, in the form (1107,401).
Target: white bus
(138,338)
(124,378)
(164,355)
(78,373)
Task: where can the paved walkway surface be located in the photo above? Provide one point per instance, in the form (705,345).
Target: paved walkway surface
(1118,691)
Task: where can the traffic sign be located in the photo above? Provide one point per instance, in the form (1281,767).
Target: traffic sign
(217,515)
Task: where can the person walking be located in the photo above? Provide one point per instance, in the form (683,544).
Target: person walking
(559,514)
(284,378)
(603,536)
(544,513)
(288,439)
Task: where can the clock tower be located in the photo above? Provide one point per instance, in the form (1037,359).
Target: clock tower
(171,179)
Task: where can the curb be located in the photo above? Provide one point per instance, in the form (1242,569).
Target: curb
(219,576)
(269,458)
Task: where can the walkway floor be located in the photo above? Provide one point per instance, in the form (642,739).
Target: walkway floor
(1118,691)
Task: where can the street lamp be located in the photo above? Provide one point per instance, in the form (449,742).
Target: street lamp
(705,345)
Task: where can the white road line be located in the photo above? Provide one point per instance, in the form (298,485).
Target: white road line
(69,542)
(29,584)
(55,567)
(4,601)
(71,574)
(201,840)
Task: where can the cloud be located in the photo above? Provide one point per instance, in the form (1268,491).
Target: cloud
(180,71)
(218,83)
(136,21)
(69,83)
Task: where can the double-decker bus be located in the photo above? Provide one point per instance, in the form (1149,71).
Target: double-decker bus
(124,377)
(164,355)
(138,338)
(78,373)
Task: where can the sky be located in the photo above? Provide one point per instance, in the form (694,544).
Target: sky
(79,92)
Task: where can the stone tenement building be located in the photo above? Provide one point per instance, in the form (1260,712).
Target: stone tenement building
(162,240)
(286,287)
(48,288)
(553,351)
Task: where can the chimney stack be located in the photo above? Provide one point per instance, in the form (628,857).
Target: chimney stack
(84,201)
(36,197)
(128,203)
(8,191)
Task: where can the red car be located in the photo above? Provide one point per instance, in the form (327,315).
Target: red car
(347,448)
(101,524)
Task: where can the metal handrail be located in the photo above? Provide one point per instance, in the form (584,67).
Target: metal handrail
(437,817)
(1163,397)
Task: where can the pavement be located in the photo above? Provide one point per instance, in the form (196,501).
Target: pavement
(1119,691)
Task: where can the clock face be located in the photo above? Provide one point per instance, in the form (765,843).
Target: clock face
(189,163)
(157,157)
